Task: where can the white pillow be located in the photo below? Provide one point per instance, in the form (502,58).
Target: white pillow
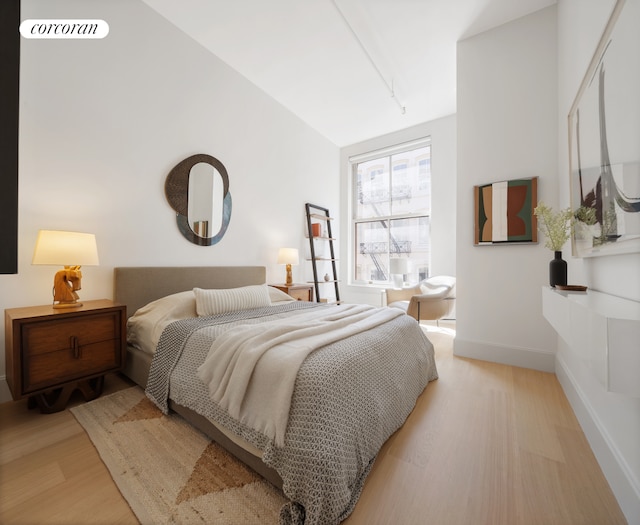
(278,296)
(145,327)
(211,302)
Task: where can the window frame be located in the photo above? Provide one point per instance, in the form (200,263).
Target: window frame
(385,155)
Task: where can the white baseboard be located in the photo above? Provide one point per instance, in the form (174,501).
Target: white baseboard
(620,477)
(5,393)
(507,355)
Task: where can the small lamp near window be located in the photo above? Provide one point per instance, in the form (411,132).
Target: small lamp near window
(398,267)
(288,256)
(71,250)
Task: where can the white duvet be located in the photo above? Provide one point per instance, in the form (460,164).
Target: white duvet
(251,370)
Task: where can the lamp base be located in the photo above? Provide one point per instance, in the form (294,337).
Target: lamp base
(289,280)
(398,280)
(74,304)
(65,284)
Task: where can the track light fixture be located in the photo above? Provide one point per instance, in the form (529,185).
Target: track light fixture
(390,87)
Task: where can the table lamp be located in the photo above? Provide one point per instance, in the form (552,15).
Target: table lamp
(288,256)
(71,250)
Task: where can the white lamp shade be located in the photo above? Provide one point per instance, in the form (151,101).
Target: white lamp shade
(288,256)
(399,266)
(62,248)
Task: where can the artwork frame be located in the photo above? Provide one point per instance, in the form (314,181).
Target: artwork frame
(504,212)
(604,143)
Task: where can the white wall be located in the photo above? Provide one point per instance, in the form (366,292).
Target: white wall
(610,421)
(580,26)
(513,102)
(506,118)
(443,206)
(102,122)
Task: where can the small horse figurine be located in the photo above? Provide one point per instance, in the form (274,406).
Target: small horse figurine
(65,284)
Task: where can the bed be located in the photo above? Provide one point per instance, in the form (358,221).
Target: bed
(315,430)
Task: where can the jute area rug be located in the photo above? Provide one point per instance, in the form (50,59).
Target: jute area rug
(168,471)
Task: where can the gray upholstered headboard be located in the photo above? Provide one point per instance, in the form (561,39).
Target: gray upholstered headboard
(137,286)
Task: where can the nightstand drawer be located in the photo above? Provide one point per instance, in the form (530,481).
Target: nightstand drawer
(301,294)
(64,350)
(51,368)
(50,336)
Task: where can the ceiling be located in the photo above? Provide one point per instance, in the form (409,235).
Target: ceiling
(346,67)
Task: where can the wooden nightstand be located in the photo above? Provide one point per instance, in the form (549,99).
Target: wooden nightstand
(301,292)
(52,352)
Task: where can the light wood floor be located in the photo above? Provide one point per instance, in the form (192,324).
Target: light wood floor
(486,444)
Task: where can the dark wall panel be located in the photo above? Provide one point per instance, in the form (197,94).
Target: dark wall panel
(9,96)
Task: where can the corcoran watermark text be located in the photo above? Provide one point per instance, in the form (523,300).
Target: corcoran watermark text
(64,29)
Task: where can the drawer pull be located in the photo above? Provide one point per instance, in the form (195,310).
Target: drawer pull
(75,347)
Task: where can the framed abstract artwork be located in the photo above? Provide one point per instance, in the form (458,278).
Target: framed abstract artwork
(503,212)
(604,142)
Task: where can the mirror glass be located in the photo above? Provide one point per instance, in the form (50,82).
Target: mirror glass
(204,205)
(197,188)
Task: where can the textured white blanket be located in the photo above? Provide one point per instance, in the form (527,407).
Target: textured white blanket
(251,370)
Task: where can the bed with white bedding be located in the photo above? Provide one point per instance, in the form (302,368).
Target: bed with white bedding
(305,393)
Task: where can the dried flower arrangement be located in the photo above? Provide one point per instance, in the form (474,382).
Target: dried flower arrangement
(556,226)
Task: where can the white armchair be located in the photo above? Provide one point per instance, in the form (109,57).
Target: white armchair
(432,299)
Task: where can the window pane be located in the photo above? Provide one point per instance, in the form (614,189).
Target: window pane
(391,213)
(372,255)
(372,188)
(411,182)
(410,238)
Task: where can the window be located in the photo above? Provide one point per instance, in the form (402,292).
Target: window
(391,213)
